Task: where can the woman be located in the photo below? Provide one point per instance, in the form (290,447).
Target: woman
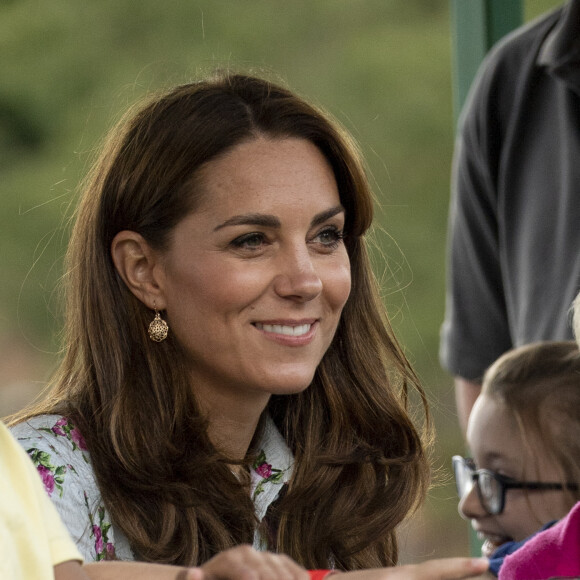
(268,404)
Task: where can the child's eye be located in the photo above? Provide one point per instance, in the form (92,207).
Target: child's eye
(251,241)
(330,237)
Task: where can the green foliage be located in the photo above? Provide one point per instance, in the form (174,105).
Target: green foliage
(70,69)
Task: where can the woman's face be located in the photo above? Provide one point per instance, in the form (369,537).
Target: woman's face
(254,281)
(496,443)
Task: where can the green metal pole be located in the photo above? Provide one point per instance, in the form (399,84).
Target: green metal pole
(476,25)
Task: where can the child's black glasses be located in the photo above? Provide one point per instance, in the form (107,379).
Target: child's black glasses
(491,486)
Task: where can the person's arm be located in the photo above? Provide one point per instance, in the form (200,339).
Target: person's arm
(117,570)
(73,570)
(476,327)
(465,394)
(239,563)
(245,563)
(441,569)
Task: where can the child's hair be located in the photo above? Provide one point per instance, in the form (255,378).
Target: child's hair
(540,385)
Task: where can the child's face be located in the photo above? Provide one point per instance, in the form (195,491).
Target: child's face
(497,445)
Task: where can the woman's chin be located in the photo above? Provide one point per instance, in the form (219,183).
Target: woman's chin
(290,383)
(290,388)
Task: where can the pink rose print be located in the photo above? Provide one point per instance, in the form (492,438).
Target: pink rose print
(52,476)
(110,551)
(65,428)
(104,549)
(98,539)
(264,470)
(78,439)
(47,478)
(57,429)
(266,473)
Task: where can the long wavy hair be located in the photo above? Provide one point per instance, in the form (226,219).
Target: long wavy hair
(360,461)
(540,385)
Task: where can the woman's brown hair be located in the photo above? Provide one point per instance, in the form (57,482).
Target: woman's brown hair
(540,385)
(360,463)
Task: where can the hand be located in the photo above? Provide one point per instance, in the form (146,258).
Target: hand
(442,569)
(245,563)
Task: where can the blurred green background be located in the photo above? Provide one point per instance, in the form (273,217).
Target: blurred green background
(68,69)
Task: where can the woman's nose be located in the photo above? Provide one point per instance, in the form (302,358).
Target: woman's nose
(469,505)
(298,277)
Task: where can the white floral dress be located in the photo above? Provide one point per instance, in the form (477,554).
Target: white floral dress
(63,462)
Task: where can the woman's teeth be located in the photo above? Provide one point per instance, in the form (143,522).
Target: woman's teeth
(284,329)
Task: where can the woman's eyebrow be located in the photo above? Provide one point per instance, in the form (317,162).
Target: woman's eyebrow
(271,221)
(253,219)
(326,215)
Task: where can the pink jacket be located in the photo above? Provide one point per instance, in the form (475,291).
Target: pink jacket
(553,553)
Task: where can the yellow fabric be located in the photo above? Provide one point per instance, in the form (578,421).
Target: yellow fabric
(32,537)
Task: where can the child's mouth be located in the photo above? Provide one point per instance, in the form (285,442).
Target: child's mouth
(491,543)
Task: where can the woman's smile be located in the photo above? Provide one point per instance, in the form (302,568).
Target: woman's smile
(289,333)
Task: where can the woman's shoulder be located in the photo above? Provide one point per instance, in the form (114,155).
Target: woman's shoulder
(59,453)
(37,422)
(55,432)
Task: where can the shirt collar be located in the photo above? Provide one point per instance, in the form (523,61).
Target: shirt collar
(272,468)
(560,51)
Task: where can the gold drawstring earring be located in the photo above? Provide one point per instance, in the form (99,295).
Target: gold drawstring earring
(158,328)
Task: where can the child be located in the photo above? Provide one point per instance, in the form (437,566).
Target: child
(555,551)
(524,432)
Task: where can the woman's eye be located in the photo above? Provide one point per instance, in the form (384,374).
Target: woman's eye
(250,241)
(330,237)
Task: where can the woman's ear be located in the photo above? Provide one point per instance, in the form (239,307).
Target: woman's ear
(139,267)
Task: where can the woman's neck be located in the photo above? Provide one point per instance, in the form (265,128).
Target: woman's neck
(233,416)
(231,436)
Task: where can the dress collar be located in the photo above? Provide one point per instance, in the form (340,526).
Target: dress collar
(272,468)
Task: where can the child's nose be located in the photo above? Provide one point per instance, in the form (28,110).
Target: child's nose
(469,505)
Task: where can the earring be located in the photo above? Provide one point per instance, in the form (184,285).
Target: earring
(158,328)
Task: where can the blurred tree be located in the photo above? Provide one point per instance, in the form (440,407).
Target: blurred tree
(20,130)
